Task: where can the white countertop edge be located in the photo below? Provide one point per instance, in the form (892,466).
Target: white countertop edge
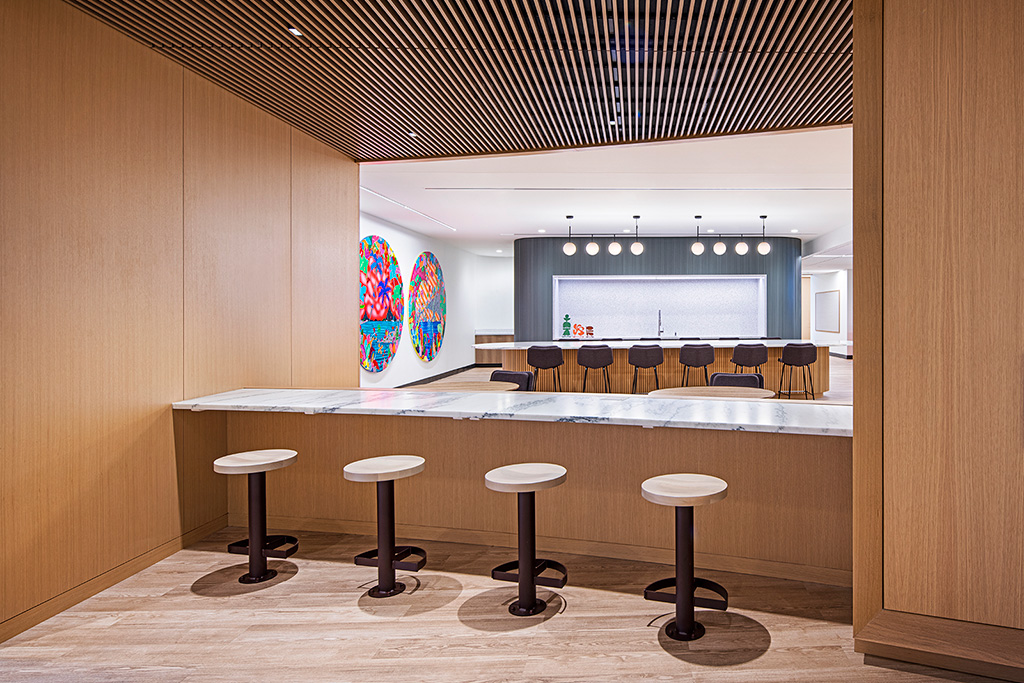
(664,343)
(533,408)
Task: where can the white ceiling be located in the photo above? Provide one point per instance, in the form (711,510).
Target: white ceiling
(802,180)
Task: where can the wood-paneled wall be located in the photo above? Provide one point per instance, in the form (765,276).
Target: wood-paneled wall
(939,480)
(160,239)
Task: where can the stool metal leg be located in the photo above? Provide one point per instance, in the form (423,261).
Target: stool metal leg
(257,530)
(528,603)
(685,627)
(386,584)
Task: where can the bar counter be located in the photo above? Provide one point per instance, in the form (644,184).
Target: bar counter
(788,466)
(670,373)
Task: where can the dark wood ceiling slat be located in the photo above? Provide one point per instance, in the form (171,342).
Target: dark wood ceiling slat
(491,76)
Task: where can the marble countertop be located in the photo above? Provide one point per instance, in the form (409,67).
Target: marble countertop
(664,342)
(784,417)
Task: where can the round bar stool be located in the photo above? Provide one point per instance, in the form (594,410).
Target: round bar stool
(384,470)
(597,357)
(646,356)
(258,546)
(696,356)
(546,358)
(684,492)
(525,479)
(798,356)
(749,356)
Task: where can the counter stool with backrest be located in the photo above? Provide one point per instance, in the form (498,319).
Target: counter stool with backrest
(525,479)
(754,380)
(546,358)
(798,356)
(596,357)
(259,546)
(527,381)
(696,356)
(749,356)
(684,492)
(384,470)
(646,356)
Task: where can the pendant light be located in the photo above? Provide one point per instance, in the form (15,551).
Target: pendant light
(763,248)
(614,248)
(637,247)
(719,248)
(697,247)
(742,248)
(569,248)
(593,247)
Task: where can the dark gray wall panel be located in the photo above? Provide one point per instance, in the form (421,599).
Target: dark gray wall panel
(538,258)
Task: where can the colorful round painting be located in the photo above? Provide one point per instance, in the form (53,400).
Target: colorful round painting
(427,306)
(381,303)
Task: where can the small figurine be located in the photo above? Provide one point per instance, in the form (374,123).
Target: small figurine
(566,326)
(590,331)
(577,330)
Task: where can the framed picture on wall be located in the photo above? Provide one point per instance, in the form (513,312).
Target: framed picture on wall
(826,311)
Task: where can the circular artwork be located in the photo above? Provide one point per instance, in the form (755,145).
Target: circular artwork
(381,303)
(426,306)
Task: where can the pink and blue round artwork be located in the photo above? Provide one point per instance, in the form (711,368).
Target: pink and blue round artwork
(381,303)
(427,306)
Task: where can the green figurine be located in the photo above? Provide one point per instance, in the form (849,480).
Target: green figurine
(566,326)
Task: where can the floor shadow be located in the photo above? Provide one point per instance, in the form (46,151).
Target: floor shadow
(422,594)
(224,583)
(488,611)
(907,667)
(730,639)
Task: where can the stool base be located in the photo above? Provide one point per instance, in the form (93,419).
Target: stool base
(376,592)
(518,610)
(245,578)
(672,631)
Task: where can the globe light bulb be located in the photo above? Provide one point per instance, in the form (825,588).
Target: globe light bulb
(764,248)
(614,248)
(697,248)
(719,248)
(742,248)
(593,248)
(637,248)
(569,248)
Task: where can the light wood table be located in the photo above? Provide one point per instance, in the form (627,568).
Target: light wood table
(713,392)
(466,386)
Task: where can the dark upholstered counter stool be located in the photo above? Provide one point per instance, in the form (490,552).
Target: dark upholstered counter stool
(595,357)
(684,492)
(525,479)
(646,356)
(546,358)
(696,356)
(798,356)
(754,380)
(259,546)
(384,470)
(749,356)
(527,381)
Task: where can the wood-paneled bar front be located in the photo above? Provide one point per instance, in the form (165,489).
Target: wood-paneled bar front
(670,372)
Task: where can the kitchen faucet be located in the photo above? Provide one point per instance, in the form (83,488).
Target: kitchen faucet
(661,330)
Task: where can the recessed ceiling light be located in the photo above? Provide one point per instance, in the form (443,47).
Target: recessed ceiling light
(612,122)
(626,230)
(498,251)
(542,230)
(794,230)
(711,229)
(411,134)
(295,31)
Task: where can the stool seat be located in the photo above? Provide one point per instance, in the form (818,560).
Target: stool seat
(684,490)
(525,477)
(251,462)
(384,468)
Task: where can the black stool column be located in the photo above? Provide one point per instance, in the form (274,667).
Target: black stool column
(527,604)
(257,530)
(386,584)
(685,627)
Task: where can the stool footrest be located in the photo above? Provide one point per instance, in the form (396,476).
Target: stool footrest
(658,593)
(277,546)
(509,571)
(369,558)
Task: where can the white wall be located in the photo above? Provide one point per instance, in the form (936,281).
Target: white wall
(477,289)
(823,282)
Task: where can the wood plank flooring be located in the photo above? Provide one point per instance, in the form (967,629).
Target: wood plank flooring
(187,619)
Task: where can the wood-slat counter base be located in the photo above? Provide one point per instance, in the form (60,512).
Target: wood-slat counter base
(976,648)
(789,510)
(670,373)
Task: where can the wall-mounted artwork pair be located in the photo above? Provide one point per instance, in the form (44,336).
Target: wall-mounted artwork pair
(381,304)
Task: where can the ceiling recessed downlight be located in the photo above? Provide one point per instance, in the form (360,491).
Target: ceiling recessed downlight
(541,230)
(295,32)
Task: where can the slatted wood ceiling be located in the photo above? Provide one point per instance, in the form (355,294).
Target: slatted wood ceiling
(487,76)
